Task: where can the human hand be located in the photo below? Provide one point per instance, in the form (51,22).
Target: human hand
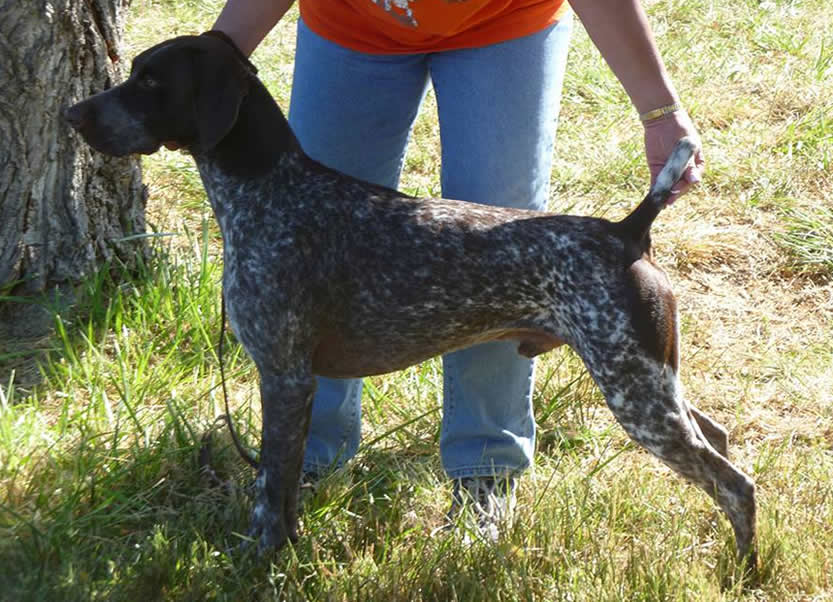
(660,136)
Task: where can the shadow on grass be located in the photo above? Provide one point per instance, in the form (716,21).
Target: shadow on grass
(27,334)
(167,302)
(114,515)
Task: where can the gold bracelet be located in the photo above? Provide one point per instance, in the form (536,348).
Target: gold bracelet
(660,112)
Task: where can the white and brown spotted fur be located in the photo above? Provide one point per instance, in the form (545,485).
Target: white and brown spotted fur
(328,275)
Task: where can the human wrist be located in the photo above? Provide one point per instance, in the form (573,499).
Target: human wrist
(661,112)
(224,37)
(677,121)
(246,22)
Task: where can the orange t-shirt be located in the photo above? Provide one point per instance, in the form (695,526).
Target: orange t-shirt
(411,26)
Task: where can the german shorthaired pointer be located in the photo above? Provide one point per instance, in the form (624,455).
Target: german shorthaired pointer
(325,274)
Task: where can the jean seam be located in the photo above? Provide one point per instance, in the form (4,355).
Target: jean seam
(450,390)
(486,470)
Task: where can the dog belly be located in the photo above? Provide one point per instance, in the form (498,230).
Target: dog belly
(336,357)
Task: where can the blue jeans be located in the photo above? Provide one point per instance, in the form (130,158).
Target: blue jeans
(498,108)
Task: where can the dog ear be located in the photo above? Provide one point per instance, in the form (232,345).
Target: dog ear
(222,83)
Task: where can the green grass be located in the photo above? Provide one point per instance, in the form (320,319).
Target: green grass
(808,237)
(102,496)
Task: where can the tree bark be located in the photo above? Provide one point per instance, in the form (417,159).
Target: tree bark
(64,209)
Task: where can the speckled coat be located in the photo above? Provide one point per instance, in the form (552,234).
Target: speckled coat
(328,275)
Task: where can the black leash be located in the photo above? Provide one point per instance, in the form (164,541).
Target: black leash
(244,453)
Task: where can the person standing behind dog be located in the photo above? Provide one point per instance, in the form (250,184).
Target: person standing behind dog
(362,68)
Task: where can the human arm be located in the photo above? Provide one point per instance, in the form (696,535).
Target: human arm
(621,32)
(247,22)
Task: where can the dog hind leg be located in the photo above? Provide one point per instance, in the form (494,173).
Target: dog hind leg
(645,397)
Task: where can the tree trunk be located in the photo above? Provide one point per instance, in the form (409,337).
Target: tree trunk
(63,208)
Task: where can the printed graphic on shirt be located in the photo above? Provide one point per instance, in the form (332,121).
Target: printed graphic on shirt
(399,10)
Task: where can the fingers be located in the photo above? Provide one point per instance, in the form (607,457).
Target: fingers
(691,177)
(694,174)
(660,137)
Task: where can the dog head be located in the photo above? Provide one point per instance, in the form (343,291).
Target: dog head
(184,93)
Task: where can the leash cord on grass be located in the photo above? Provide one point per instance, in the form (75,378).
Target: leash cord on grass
(246,454)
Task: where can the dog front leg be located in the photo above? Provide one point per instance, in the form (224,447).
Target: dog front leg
(286,398)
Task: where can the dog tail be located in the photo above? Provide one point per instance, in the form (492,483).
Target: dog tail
(637,225)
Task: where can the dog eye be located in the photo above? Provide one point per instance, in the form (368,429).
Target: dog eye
(148,82)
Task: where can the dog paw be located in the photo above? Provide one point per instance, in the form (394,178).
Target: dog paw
(273,521)
(267,530)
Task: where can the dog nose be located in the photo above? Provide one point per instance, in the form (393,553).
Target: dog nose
(77,115)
